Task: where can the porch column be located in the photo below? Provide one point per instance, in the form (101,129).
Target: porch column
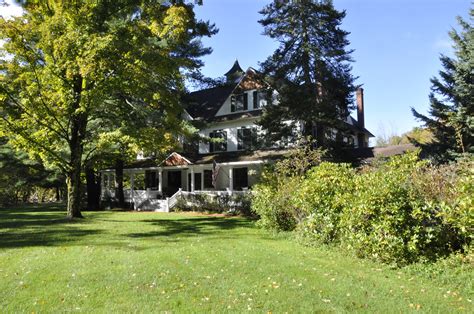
(160,181)
(192,179)
(231,181)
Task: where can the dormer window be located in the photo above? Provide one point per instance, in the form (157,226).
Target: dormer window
(260,99)
(218,146)
(239,102)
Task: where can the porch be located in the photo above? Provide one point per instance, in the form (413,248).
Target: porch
(159,188)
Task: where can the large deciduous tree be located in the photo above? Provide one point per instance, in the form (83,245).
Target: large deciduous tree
(451,112)
(71,70)
(310,69)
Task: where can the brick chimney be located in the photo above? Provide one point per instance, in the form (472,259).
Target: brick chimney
(360,106)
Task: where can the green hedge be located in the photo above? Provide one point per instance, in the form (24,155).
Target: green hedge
(399,212)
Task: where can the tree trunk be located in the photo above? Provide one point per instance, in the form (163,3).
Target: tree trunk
(58,195)
(119,183)
(93,189)
(320,136)
(78,134)
(74,193)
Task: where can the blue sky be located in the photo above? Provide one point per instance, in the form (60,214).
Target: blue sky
(397,45)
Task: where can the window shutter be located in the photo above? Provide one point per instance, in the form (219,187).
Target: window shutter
(253,136)
(232,103)
(246,101)
(240,140)
(224,137)
(255,100)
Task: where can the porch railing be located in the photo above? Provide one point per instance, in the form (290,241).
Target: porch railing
(173,200)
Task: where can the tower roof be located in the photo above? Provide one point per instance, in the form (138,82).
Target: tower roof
(236,69)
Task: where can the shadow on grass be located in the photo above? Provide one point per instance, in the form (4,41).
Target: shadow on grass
(192,226)
(47,225)
(39,225)
(44,237)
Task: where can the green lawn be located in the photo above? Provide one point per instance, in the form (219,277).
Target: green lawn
(151,262)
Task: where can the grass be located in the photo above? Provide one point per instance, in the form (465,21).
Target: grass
(151,262)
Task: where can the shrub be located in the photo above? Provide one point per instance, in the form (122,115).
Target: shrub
(400,211)
(322,197)
(224,203)
(392,220)
(274,200)
(275,206)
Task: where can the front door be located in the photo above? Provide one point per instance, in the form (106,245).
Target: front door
(174,181)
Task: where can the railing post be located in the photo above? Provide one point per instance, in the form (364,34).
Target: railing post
(192,180)
(231,180)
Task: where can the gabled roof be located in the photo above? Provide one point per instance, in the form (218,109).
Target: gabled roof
(204,104)
(175,159)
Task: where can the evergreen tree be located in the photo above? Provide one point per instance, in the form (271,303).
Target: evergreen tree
(72,70)
(451,113)
(21,177)
(310,69)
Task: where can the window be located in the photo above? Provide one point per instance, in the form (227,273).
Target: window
(208,179)
(246,138)
(259,99)
(350,140)
(221,145)
(151,180)
(240,179)
(239,102)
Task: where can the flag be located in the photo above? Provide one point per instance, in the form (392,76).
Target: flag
(215,173)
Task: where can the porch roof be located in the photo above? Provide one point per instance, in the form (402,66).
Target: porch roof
(238,156)
(181,159)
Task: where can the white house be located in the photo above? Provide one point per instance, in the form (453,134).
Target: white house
(232,163)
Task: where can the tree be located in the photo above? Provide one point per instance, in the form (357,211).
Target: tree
(451,112)
(310,69)
(419,135)
(72,70)
(22,177)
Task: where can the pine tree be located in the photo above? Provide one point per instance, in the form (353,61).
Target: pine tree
(310,69)
(451,112)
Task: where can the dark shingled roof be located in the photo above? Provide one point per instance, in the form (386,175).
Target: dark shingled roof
(235,69)
(204,104)
(393,150)
(238,115)
(198,159)
(355,125)
(266,155)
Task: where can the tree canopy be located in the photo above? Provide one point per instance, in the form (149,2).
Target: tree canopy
(72,71)
(451,112)
(310,69)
